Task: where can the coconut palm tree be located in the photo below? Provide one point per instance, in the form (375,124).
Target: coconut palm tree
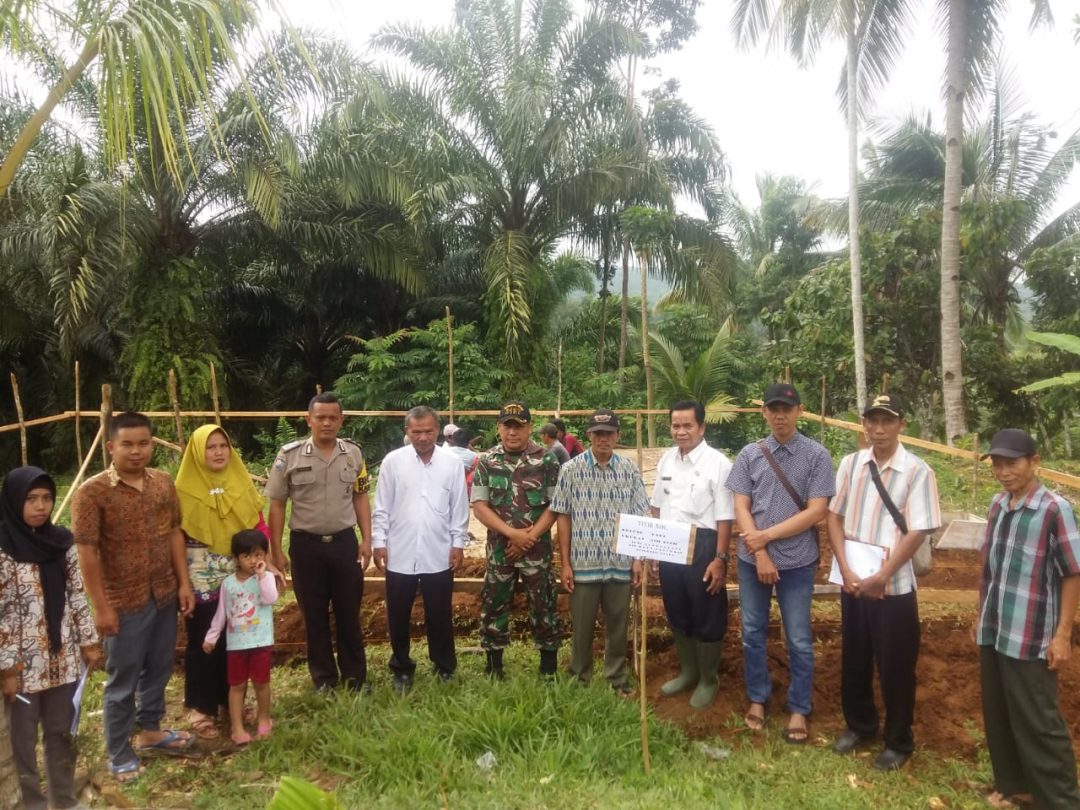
(972,32)
(873,31)
(517,98)
(1011,175)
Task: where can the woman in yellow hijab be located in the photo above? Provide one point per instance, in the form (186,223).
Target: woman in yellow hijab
(217,500)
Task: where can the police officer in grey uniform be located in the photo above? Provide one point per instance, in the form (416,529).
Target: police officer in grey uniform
(326,479)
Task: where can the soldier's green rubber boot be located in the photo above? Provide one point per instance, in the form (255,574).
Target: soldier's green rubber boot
(688,667)
(708,656)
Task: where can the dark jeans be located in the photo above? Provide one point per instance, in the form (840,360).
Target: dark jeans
(885,632)
(691,611)
(53,711)
(437,591)
(205,689)
(1029,743)
(138,661)
(325,575)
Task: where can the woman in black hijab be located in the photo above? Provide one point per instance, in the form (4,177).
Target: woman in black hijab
(46,634)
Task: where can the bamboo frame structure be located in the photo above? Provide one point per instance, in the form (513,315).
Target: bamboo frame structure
(639,414)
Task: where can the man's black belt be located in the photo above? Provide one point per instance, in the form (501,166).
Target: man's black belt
(349,532)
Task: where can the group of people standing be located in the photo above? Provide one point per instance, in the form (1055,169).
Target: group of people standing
(144,549)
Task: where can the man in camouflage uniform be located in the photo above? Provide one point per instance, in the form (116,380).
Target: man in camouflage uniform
(512,488)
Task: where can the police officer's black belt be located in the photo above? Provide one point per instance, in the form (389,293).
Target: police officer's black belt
(325,538)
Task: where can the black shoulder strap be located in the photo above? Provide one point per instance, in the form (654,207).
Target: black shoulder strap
(765,451)
(885,499)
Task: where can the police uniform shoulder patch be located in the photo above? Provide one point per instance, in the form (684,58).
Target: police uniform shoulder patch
(291,446)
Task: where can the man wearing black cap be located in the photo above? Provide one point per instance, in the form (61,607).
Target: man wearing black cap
(782,487)
(512,489)
(1027,601)
(594,488)
(690,489)
(879,614)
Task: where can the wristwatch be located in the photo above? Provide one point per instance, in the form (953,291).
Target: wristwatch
(723,556)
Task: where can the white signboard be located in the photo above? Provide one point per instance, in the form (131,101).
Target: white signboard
(654,539)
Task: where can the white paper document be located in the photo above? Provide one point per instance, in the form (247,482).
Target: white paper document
(864,560)
(654,539)
(77,699)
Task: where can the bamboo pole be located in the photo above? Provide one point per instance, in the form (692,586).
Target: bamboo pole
(78,476)
(558,365)
(106,413)
(214,394)
(176,408)
(975,471)
(885,383)
(78,425)
(646,761)
(787,374)
(450,363)
(822,407)
(637,431)
(22,419)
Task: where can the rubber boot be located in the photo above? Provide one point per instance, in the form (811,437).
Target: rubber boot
(494,666)
(549,662)
(686,647)
(708,653)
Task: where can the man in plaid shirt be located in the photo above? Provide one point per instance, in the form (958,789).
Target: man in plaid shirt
(1027,600)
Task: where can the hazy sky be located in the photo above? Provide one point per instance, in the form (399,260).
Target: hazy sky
(769,114)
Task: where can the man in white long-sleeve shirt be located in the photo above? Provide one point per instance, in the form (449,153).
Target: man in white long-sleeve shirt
(419,528)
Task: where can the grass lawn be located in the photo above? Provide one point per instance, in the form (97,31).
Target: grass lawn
(556,745)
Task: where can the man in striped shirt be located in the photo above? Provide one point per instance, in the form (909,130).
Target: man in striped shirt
(1027,600)
(880,614)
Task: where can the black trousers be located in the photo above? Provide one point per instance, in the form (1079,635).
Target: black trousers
(883,632)
(327,575)
(205,686)
(437,591)
(691,611)
(1029,743)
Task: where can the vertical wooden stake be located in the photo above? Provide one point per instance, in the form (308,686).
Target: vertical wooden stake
(318,388)
(558,396)
(214,394)
(22,420)
(106,413)
(637,431)
(822,407)
(450,350)
(975,472)
(78,425)
(885,383)
(78,476)
(176,408)
(646,761)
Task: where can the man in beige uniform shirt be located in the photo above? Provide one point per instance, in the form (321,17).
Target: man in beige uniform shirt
(327,480)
